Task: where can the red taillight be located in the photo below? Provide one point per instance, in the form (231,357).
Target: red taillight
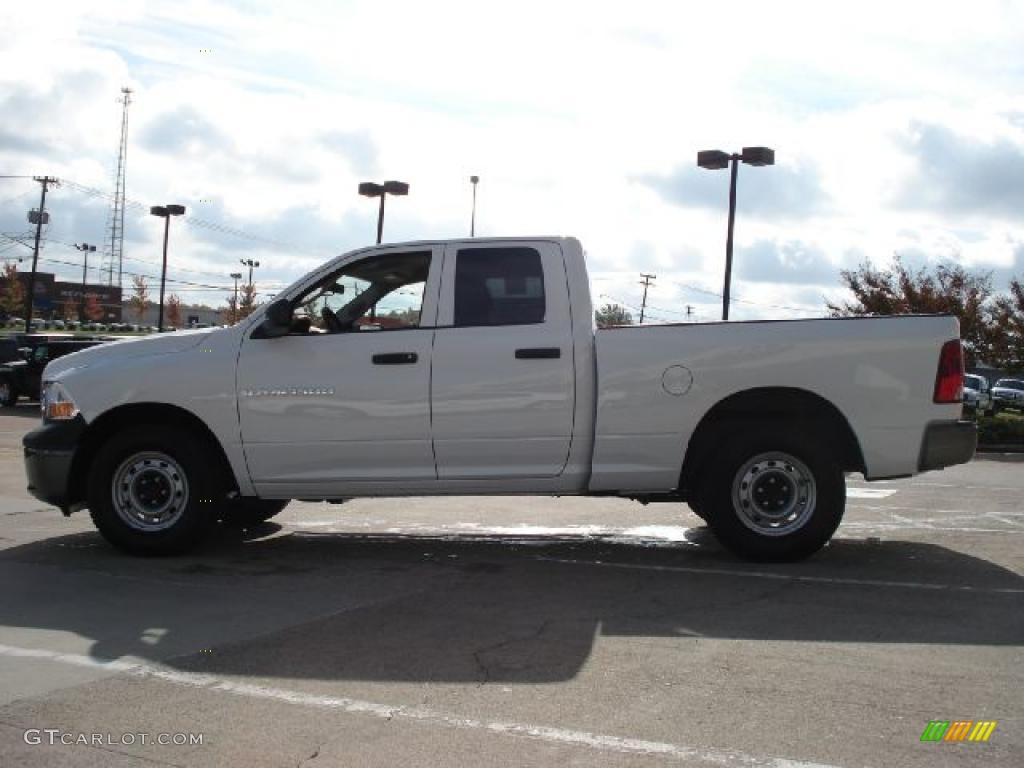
(949,380)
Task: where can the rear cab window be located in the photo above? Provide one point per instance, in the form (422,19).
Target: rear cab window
(499,286)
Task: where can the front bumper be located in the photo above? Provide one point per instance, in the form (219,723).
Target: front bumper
(49,454)
(946,443)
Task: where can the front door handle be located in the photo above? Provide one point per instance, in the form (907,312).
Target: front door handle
(395,358)
(538,353)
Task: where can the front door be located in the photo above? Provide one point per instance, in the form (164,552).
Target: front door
(342,402)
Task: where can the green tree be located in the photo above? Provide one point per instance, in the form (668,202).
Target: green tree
(140,297)
(12,299)
(942,289)
(612,314)
(174,310)
(247,302)
(1005,332)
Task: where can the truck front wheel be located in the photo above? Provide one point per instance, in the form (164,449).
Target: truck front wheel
(152,490)
(776,495)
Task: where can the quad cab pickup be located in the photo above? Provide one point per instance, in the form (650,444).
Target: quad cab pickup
(473,367)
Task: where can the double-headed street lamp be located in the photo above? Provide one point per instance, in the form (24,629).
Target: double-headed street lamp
(86,249)
(369,189)
(250,264)
(714,160)
(165,212)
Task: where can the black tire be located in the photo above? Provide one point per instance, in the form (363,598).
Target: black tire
(696,506)
(8,394)
(776,495)
(244,512)
(168,468)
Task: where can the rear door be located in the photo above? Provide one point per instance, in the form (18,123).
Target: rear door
(503,384)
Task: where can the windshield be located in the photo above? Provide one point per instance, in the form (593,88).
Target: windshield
(1010,384)
(974,382)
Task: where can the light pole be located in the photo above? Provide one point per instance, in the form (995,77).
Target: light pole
(474,180)
(86,249)
(234,312)
(165,212)
(714,160)
(370,189)
(250,264)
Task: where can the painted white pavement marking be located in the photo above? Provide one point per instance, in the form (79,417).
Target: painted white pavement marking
(869,493)
(583,739)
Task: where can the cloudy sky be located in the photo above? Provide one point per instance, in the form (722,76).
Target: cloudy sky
(898,127)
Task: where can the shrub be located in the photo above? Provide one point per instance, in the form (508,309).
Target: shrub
(1001,430)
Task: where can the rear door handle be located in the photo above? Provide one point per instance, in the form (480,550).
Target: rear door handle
(538,353)
(395,358)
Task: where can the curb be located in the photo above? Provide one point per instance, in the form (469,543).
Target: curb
(999,453)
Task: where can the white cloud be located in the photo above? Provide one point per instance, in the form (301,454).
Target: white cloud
(560,108)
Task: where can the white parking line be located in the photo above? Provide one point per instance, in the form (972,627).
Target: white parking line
(583,739)
(870,493)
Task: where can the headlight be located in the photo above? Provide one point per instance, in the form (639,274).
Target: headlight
(56,403)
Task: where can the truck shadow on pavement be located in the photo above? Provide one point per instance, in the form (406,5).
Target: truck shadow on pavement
(487,608)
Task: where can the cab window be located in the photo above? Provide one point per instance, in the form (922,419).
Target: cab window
(380,293)
(499,286)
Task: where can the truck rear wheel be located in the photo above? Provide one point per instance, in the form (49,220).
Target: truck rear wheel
(776,495)
(152,490)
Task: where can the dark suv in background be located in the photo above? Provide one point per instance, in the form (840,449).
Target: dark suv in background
(24,358)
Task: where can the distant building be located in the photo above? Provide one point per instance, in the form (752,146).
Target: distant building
(191,314)
(51,295)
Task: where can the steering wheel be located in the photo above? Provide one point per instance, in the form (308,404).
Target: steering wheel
(331,320)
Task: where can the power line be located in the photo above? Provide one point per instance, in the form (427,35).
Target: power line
(736,299)
(191,221)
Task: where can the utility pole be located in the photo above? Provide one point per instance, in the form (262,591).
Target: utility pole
(41,216)
(646,282)
(689,312)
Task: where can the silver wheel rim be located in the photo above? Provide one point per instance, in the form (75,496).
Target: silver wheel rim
(149,491)
(774,494)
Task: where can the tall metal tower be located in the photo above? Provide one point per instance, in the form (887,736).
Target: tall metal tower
(113,250)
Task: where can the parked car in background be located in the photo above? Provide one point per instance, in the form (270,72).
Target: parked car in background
(22,376)
(1008,393)
(977,395)
(9,349)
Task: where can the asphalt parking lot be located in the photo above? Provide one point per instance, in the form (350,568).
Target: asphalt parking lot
(518,631)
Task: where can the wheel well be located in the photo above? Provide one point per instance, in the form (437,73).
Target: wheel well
(769,404)
(100,430)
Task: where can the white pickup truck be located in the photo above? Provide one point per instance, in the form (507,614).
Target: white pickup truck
(473,367)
